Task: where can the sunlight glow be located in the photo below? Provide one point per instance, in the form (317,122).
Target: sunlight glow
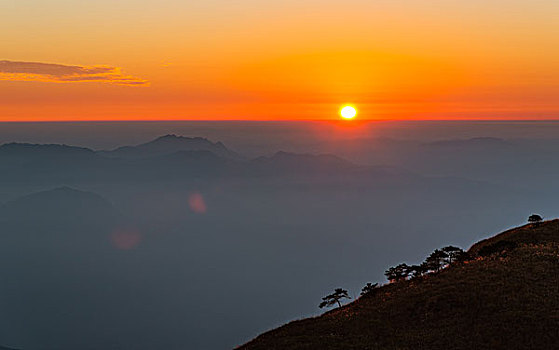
(348,112)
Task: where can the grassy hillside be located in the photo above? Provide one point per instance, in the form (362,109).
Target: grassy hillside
(541,233)
(505,298)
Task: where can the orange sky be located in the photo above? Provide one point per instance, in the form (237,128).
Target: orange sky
(252,59)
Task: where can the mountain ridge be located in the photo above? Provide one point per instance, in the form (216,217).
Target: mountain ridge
(172,143)
(196,157)
(22,148)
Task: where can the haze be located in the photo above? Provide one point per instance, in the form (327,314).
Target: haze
(190,243)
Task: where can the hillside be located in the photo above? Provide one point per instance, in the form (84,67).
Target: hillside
(506,299)
(547,232)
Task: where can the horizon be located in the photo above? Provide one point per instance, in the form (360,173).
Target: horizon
(272,135)
(278,120)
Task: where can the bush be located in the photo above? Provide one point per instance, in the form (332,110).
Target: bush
(535,219)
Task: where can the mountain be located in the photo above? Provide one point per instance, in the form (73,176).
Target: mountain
(59,204)
(162,159)
(19,150)
(159,161)
(169,144)
(172,157)
(505,297)
(20,162)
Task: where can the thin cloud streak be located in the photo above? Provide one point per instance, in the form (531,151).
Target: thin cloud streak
(59,73)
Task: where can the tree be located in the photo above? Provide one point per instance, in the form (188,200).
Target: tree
(452,254)
(418,270)
(462,256)
(397,273)
(334,298)
(436,261)
(535,219)
(369,288)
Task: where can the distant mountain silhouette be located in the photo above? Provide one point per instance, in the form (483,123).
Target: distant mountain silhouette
(505,297)
(60,204)
(44,163)
(171,144)
(15,149)
(170,157)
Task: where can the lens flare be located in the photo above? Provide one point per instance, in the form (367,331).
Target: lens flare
(125,239)
(197,203)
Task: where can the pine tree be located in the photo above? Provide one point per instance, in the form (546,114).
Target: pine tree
(334,298)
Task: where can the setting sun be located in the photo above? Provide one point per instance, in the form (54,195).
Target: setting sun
(348,112)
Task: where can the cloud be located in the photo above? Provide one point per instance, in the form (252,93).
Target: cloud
(59,73)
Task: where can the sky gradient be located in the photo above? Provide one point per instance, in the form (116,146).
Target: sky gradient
(252,59)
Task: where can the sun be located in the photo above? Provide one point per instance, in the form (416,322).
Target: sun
(348,112)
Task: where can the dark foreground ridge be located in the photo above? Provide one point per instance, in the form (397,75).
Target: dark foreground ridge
(506,296)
